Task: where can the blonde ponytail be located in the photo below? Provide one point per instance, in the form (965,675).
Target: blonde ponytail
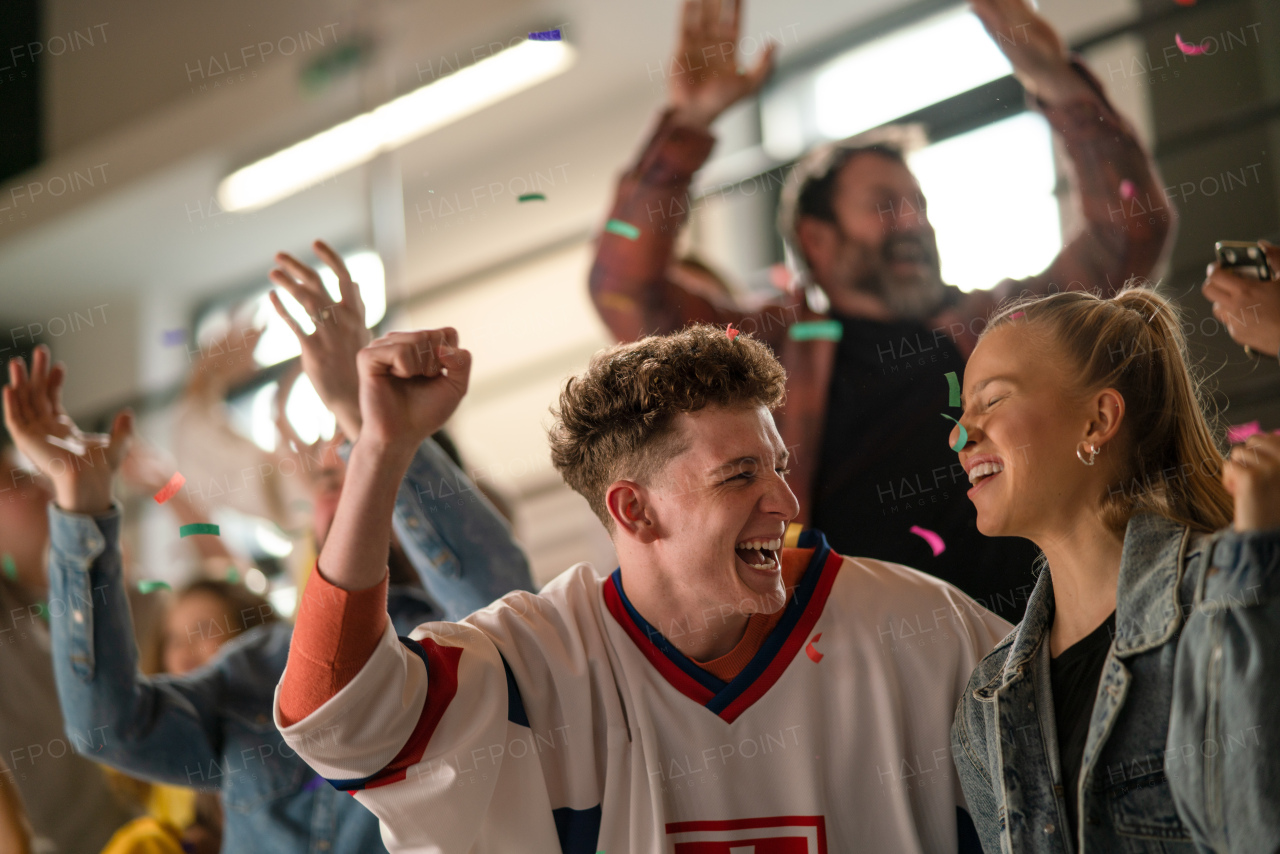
(1133,343)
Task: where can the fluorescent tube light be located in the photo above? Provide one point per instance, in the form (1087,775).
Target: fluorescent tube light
(412,115)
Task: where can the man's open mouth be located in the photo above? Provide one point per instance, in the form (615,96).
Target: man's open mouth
(759,554)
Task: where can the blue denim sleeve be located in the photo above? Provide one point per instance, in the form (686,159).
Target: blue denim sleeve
(155,729)
(460,545)
(1224,742)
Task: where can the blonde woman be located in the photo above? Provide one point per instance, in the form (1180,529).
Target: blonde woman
(1129,711)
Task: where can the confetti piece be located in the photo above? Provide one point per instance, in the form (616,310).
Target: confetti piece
(198,528)
(153,586)
(1127,190)
(1185,2)
(964,435)
(1238,433)
(816,330)
(954,384)
(792,537)
(533,197)
(1016,315)
(732,333)
(174,337)
(314,783)
(935,542)
(813,654)
(622,229)
(546,36)
(1188,49)
(171,488)
(233,576)
(10,568)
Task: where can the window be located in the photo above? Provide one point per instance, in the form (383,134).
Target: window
(991,201)
(990,189)
(253,414)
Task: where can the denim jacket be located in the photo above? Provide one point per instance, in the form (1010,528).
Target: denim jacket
(1196,652)
(212,728)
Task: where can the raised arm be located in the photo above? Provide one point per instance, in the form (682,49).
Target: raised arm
(629,281)
(461,547)
(1128,221)
(159,729)
(410,383)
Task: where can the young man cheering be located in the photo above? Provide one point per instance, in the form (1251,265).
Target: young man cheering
(733,685)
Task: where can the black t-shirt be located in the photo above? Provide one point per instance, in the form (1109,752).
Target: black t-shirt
(1075,674)
(886,465)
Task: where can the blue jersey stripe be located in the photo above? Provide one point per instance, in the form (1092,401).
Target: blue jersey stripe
(579,830)
(515,703)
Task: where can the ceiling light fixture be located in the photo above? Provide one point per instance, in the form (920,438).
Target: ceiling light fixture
(395,123)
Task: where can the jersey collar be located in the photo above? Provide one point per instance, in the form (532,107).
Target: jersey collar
(731,699)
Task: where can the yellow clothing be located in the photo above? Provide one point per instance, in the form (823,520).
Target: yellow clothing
(172,805)
(145,835)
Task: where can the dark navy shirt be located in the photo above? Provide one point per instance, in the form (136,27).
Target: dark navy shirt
(886,465)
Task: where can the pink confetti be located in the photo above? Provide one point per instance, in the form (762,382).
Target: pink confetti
(1188,49)
(732,333)
(1127,190)
(1240,432)
(813,654)
(171,488)
(1018,314)
(935,542)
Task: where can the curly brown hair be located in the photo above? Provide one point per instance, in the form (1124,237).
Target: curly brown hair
(615,419)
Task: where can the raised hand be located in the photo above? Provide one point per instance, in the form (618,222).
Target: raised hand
(410,383)
(1033,47)
(79,464)
(226,362)
(1252,476)
(329,353)
(1250,309)
(708,53)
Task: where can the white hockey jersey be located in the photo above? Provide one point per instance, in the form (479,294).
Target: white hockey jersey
(563,723)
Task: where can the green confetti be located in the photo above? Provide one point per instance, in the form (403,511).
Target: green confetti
(153,586)
(816,330)
(955,389)
(533,197)
(622,229)
(964,435)
(42,611)
(198,528)
(233,576)
(10,568)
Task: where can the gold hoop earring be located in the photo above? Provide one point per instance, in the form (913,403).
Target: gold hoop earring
(1093,453)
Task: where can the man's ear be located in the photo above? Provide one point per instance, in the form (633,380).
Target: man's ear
(628,506)
(817,239)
